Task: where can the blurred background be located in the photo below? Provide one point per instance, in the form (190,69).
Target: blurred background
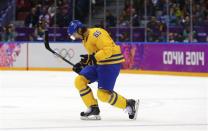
(126,20)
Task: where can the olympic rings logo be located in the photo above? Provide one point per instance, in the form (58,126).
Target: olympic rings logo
(66,53)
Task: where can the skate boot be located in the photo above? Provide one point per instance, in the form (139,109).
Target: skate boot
(93,113)
(132,108)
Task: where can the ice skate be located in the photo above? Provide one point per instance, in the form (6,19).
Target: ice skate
(132,108)
(93,113)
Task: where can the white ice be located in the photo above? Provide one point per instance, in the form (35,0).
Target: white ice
(42,101)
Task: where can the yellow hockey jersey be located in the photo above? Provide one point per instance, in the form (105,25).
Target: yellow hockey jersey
(106,51)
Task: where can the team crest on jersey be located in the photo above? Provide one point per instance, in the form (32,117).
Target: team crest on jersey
(97,33)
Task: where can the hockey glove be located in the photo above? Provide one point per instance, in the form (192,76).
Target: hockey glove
(85,61)
(88,59)
(78,67)
(93,60)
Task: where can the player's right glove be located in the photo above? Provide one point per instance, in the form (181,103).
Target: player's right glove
(78,67)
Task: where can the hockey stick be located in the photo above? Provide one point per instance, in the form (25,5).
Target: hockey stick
(47,46)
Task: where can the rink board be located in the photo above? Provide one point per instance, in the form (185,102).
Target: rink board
(156,58)
(166,57)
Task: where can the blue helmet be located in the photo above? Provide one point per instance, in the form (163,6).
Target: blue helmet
(73,26)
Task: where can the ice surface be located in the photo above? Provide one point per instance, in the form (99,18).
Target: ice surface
(40,101)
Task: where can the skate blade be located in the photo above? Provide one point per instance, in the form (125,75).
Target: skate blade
(136,108)
(92,117)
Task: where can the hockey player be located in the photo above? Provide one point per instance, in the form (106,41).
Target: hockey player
(101,64)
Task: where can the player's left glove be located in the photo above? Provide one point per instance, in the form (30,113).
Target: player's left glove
(88,59)
(85,61)
(93,61)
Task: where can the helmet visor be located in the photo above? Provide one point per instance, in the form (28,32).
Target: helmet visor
(72,37)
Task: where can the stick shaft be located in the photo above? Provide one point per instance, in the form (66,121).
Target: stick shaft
(46,42)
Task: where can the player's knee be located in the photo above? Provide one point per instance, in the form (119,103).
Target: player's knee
(80,82)
(103,95)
